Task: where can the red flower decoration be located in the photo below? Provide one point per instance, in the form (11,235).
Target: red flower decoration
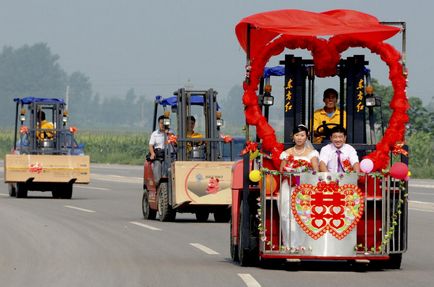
(226,138)
(24,130)
(347,165)
(398,148)
(172,139)
(250,147)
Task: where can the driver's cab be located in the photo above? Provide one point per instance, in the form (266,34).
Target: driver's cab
(194,119)
(41,127)
(351,103)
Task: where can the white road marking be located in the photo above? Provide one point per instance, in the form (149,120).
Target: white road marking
(204,248)
(92,187)
(116,178)
(421,185)
(79,208)
(145,225)
(422,193)
(249,280)
(421,206)
(422,210)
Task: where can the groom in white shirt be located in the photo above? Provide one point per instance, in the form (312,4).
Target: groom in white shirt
(333,156)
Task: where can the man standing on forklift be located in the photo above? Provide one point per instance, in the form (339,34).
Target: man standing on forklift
(326,118)
(157,143)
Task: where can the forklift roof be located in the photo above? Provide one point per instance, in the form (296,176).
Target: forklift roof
(29,100)
(265,27)
(195,100)
(274,71)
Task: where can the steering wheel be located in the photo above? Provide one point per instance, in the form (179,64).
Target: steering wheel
(325,129)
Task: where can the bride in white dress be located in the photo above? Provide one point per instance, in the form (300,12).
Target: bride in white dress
(302,150)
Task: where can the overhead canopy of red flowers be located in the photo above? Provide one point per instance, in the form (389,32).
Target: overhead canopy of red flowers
(274,31)
(269,25)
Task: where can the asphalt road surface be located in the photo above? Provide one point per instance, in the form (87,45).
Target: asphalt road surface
(99,238)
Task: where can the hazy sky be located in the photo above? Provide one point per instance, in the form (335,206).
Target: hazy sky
(157,46)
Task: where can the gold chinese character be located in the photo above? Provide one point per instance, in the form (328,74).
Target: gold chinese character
(289,85)
(288,96)
(360,86)
(360,107)
(360,96)
(288,107)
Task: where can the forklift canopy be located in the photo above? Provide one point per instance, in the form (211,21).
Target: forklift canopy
(268,25)
(274,71)
(29,100)
(173,101)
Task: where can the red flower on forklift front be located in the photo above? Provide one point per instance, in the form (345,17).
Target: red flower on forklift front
(35,167)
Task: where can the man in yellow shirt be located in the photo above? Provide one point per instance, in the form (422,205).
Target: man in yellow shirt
(329,114)
(45,128)
(191,122)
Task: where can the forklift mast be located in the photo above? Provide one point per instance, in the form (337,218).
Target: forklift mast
(183,111)
(299,95)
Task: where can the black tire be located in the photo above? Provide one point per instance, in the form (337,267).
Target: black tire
(394,262)
(246,256)
(12,190)
(148,213)
(56,192)
(223,215)
(202,216)
(165,211)
(22,190)
(233,246)
(66,191)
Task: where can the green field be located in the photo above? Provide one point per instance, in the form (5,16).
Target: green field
(103,147)
(131,148)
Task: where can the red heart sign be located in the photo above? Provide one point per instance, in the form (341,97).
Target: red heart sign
(327,207)
(326,56)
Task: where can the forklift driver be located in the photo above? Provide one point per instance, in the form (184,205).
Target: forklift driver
(45,126)
(328,117)
(156,148)
(191,122)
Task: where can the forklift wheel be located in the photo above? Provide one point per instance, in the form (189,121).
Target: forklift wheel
(233,247)
(12,190)
(223,215)
(21,191)
(202,216)
(148,213)
(165,211)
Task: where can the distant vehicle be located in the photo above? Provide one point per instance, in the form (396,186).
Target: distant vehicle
(196,173)
(45,156)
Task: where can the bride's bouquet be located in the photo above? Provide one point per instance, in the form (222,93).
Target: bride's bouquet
(297,165)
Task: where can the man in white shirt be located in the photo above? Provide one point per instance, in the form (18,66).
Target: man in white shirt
(157,143)
(338,156)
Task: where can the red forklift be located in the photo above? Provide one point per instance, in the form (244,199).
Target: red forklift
(374,208)
(196,171)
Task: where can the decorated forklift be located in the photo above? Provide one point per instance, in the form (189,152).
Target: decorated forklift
(45,155)
(196,170)
(359,217)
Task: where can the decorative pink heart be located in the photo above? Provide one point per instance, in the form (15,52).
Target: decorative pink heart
(327,208)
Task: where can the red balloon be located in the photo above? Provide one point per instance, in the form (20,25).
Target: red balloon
(399,170)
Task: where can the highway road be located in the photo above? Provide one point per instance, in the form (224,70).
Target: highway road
(99,238)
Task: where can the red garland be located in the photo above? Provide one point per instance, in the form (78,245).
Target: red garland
(250,147)
(326,56)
